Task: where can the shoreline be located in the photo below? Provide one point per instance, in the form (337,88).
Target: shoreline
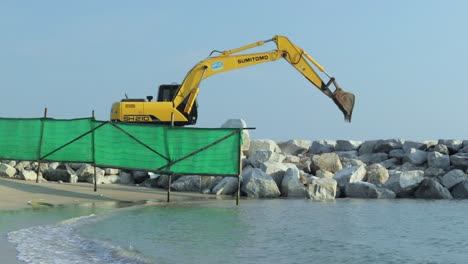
(17,195)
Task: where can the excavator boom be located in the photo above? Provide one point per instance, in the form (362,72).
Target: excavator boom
(183,99)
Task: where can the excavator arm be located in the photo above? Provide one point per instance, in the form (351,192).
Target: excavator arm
(230,60)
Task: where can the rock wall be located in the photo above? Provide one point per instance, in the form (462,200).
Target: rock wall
(320,170)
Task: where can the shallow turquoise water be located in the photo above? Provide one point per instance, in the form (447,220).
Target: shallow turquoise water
(260,231)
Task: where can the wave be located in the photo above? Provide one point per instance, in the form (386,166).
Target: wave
(62,243)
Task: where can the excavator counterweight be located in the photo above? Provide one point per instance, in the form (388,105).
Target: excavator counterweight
(176,104)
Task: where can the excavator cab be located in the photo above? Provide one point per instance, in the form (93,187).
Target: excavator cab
(167,92)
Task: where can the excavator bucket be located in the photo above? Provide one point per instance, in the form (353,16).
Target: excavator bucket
(344,101)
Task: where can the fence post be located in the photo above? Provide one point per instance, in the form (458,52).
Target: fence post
(240,171)
(169,188)
(94,154)
(38,170)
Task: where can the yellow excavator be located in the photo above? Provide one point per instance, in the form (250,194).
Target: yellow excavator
(176,104)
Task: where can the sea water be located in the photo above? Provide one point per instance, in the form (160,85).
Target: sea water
(257,231)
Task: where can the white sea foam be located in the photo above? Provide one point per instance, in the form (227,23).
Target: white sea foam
(61,243)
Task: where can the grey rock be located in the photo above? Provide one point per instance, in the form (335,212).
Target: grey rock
(187,183)
(416,156)
(322,146)
(346,162)
(227,186)
(460,160)
(57,175)
(292,159)
(397,153)
(460,191)
(438,160)
(348,175)
(321,188)
(7,170)
(376,174)
(258,184)
(263,144)
(326,161)
(441,149)
(324,174)
(389,163)
(452,144)
(209,182)
(403,184)
(347,145)
(261,156)
(23,165)
(350,154)
(126,178)
(431,189)
(53,165)
(361,189)
(291,185)
(139,176)
(367,147)
(28,175)
(295,147)
(371,158)
(111,171)
(86,171)
(434,172)
(387,145)
(275,169)
(150,183)
(239,123)
(413,144)
(452,178)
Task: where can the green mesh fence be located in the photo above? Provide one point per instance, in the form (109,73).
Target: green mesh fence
(162,149)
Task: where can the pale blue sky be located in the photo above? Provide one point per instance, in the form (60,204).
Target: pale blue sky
(406,62)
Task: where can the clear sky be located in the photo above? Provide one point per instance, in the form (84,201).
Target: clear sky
(406,62)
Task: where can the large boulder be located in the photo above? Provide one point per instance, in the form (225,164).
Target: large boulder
(438,160)
(403,184)
(347,162)
(416,156)
(7,170)
(28,175)
(263,144)
(326,161)
(239,123)
(398,153)
(347,154)
(57,175)
(187,183)
(452,178)
(322,146)
(376,174)
(258,184)
(227,186)
(432,189)
(441,149)
(209,182)
(324,174)
(291,185)
(367,147)
(347,145)
(87,171)
(408,144)
(387,145)
(321,188)
(261,156)
(126,177)
(460,160)
(362,189)
(371,158)
(460,191)
(433,172)
(348,175)
(295,147)
(275,169)
(452,144)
